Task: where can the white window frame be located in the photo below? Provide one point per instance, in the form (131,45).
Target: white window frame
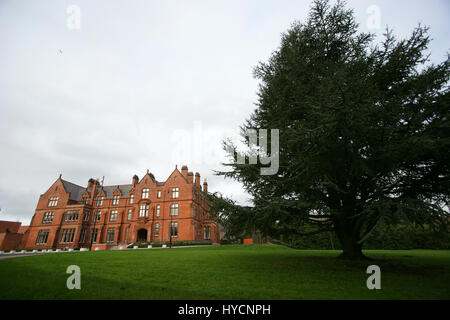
(114,214)
(157,229)
(175,193)
(143,210)
(174,209)
(171,228)
(48,217)
(53,202)
(100,201)
(116,200)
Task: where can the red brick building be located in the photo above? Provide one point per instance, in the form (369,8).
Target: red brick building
(11,235)
(146,210)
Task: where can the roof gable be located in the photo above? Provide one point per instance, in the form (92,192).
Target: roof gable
(74,190)
(176,174)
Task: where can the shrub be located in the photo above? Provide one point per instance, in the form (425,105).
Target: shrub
(384,236)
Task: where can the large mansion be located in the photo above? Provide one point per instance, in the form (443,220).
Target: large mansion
(146,210)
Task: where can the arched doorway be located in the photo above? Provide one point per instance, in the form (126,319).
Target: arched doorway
(142,235)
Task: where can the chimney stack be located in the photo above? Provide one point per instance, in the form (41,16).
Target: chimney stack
(184,171)
(91,183)
(135,180)
(205,186)
(190,177)
(197,179)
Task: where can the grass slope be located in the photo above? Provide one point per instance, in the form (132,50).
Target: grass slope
(227,272)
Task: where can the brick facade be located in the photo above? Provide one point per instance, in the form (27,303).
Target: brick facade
(11,235)
(138,212)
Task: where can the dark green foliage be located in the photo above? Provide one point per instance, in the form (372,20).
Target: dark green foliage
(384,236)
(407,237)
(364,133)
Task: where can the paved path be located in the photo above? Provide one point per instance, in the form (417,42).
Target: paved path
(17,255)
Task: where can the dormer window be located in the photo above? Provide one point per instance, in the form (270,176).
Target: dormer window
(115,201)
(145,193)
(100,201)
(53,202)
(131,198)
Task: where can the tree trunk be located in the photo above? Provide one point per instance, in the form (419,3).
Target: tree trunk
(351,249)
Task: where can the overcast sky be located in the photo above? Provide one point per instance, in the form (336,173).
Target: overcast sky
(144,84)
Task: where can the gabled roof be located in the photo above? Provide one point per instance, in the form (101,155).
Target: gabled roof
(153,179)
(124,188)
(75,190)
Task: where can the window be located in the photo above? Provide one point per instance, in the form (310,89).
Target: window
(131,198)
(82,236)
(195,212)
(87,215)
(113,216)
(174,209)
(42,236)
(156,229)
(173,229)
(159,193)
(207,234)
(98,215)
(130,214)
(48,217)
(67,235)
(94,233)
(53,202)
(115,201)
(71,216)
(143,210)
(145,193)
(110,235)
(100,201)
(175,192)
(158,210)
(85,200)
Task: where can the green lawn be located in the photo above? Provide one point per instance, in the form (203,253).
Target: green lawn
(226,272)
